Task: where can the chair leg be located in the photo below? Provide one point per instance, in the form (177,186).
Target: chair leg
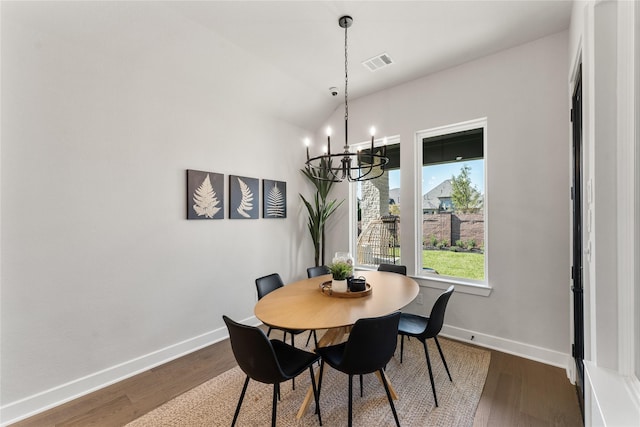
(361,385)
(274,405)
(386,389)
(315,341)
(293,380)
(442,357)
(244,389)
(350,399)
(320,377)
(312,332)
(433,386)
(401,347)
(268,331)
(316,394)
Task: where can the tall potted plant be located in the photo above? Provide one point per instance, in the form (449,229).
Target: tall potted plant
(319,209)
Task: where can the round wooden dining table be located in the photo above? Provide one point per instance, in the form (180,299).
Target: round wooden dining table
(303,305)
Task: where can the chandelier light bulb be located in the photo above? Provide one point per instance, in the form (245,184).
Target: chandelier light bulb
(307,143)
(373,135)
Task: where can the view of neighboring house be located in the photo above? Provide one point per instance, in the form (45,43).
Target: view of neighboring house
(438,199)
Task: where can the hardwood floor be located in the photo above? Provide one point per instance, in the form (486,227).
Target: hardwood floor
(517,392)
(521,392)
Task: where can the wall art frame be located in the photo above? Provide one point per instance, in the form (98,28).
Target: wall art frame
(205,195)
(274,199)
(244,197)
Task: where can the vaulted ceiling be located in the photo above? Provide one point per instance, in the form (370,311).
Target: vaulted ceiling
(303,40)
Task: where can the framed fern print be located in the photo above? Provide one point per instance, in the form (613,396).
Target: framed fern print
(205,195)
(274,199)
(244,197)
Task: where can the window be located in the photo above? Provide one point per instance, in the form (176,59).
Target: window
(451,220)
(377,221)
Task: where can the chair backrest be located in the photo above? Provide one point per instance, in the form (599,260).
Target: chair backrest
(393,268)
(267,284)
(253,352)
(436,320)
(319,270)
(371,344)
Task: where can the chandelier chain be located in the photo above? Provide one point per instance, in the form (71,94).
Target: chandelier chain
(362,165)
(346,78)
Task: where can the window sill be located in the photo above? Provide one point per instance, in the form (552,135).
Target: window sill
(611,398)
(462,286)
(442,282)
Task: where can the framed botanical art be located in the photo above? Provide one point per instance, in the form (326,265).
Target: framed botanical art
(274,199)
(205,195)
(244,197)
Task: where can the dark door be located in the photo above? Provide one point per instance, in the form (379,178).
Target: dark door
(576,269)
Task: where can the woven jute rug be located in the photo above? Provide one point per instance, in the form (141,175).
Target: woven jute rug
(213,403)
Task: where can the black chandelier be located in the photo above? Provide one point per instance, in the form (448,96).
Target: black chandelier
(362,165)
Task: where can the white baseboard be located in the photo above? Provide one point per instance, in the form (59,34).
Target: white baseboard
(24,408)
(47,399)
(539,354)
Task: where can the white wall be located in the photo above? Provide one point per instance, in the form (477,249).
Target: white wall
(101,273)
(523,94)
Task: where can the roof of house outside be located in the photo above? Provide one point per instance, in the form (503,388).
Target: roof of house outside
(431,200)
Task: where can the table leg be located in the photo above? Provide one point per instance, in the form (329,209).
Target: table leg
(331,337)
(392,391)
(307,398)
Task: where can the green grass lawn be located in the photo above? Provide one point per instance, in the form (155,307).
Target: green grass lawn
(459,264)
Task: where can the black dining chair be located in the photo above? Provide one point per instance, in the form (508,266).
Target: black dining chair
(268,361)
(423,328)
(319,270)
(369,348)
(393,268)
(270,283)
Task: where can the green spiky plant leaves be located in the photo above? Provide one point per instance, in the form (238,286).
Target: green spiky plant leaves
(319,208)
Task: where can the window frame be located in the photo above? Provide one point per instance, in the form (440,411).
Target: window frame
(353,197)
(480,285)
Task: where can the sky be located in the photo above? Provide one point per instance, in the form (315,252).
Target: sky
(434,175)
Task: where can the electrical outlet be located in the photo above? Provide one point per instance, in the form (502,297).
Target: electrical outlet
(419,300)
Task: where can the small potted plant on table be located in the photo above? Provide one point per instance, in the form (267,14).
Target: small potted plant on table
(340,270)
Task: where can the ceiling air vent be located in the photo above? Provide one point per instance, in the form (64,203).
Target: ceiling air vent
(377,62)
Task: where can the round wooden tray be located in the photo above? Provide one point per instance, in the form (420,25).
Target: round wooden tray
(325,288)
